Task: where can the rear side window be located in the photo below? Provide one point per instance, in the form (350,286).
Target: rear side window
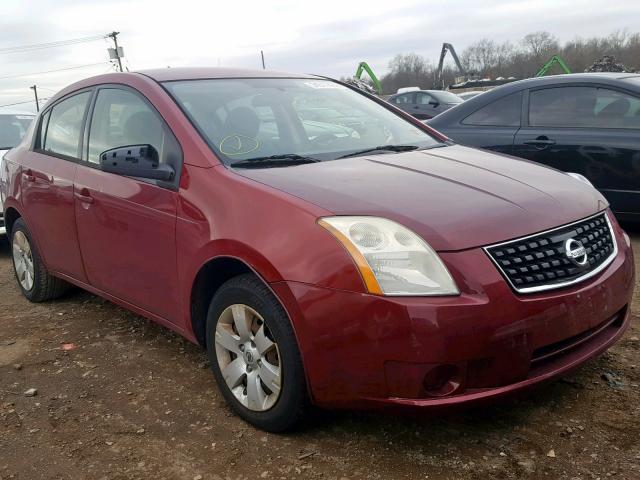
(583,107)
(406,98)
(65,124)
(504,112)
(120,119)
(424,98)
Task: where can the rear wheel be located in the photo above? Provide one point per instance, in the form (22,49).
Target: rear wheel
(33,278)
(254,355)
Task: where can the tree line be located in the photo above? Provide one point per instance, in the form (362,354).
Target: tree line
(487,58)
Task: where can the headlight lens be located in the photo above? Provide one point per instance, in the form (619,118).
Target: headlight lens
(391,258)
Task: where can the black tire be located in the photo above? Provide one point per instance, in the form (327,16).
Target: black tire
(292,403)
(45,287)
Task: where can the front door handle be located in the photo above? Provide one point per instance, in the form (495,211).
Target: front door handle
(84,196)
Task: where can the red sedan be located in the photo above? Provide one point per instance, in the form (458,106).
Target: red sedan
(323,246)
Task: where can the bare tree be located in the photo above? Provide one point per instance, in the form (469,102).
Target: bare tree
(540,44)
(488,58)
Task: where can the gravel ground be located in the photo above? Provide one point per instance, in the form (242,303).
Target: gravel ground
(119,397)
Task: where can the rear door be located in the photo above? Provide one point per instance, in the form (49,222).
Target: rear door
(493,126)
(593,130)
(47,184)
(127,226)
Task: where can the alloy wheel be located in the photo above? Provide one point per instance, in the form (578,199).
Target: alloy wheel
(23,260)
(248,357)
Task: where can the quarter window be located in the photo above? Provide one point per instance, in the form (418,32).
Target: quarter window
(65,124)
(583,107)
(504,112)
(120,119)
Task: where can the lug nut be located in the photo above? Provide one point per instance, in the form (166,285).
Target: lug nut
(241,348)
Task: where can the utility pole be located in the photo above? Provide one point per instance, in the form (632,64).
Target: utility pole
(114,37)
(35,92)
(262,55)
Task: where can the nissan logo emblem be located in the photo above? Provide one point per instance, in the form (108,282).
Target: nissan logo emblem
(575,251)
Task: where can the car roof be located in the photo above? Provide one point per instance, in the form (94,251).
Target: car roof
(568,78)
(454,115)
(199,73)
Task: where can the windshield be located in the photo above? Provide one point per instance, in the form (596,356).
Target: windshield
(245,119)
(12,129)
(447,97)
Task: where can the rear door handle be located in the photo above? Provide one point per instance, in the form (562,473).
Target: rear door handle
(540,142)
(84,196)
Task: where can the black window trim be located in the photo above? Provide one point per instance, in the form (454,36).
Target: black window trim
(84,161)
(37,147)
(605,86)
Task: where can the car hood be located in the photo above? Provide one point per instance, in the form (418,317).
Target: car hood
(454,197)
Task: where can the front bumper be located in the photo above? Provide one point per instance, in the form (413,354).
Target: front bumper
(362,351)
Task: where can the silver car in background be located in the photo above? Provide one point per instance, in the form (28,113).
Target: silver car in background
(13,127)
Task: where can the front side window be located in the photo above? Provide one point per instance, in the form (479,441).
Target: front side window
(12,129)
(247,118)
(504,112)
(583,107)
(121,118)
(65,124)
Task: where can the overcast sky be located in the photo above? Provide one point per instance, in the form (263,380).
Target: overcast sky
(327,37)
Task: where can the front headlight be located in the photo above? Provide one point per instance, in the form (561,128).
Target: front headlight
(391,258)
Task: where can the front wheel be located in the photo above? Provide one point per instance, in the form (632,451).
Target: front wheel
(254,355)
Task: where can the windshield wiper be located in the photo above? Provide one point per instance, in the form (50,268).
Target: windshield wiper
(281,159)
(382,148)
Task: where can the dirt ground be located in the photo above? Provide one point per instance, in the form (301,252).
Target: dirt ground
(119,397)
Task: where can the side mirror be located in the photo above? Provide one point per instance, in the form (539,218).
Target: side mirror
(140,161)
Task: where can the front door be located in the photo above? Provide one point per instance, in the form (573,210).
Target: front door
(47,185)
(591,130)
(127,226)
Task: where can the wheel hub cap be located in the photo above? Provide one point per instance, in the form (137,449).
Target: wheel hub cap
(248,357)
(23,260)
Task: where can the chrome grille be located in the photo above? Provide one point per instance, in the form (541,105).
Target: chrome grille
(540,261)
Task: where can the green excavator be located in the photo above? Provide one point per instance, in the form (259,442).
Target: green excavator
(552,61)
(364,67)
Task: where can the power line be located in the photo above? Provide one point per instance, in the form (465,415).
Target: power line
(40,46)
(21,103)
(51,71)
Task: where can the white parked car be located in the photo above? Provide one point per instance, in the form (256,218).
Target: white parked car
(13,126)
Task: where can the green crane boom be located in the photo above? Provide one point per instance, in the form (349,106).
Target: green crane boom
(364,67)
(555,59)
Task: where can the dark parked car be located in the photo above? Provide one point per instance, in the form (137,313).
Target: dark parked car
(584,123)
(425,104)
(383,267)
